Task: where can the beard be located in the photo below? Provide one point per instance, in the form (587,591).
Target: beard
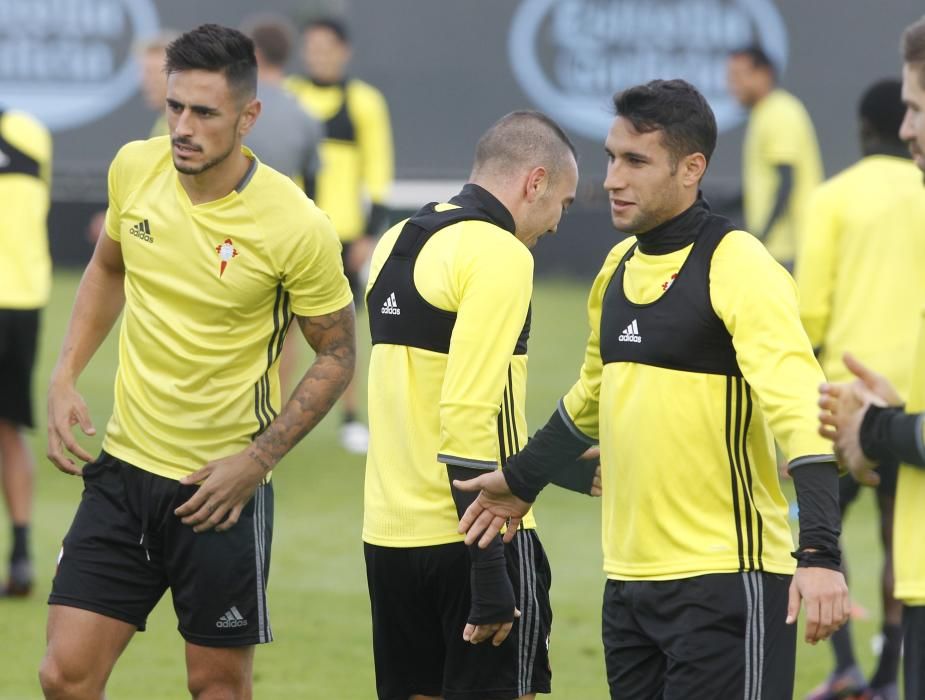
(199,169)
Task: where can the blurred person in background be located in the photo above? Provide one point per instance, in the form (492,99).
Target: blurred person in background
(781,163)
(150,54)
(871,425)
(25,284)
(862,254)
(356,166)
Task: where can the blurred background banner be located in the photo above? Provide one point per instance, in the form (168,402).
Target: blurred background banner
(448,70)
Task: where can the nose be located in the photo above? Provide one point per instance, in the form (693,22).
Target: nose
(184,125)
(906,132)
(614,179)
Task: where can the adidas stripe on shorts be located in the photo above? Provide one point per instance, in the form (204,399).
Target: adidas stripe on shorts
(125,547)
(420,602)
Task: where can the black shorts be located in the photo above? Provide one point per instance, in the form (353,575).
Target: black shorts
(420,602)
(19,332)
(914,652)
(848,488)
(126,547)
(701,638)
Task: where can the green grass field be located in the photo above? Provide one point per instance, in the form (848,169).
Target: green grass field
(318,599)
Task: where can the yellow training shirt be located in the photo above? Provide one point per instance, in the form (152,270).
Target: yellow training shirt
(25,183)
(779,133)
(688,463)
(357,162)
(908,546)
(467,406)
(859,270)
(209,293)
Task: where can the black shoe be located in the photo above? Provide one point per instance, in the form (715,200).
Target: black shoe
(19,584)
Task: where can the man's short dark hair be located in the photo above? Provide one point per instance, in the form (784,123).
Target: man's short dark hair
(273,38)
(882,110)
(523,138)
(757,56)
(212,47)
(333,24)
(677,109)
(913,47)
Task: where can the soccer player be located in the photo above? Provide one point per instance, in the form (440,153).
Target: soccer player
(862,250)
(209,255)
(780,158)
(357,165)
(25,283)
(449,311)
(870,424)
(695,363)
(286,137)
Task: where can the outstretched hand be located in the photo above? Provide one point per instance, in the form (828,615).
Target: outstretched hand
(494,508)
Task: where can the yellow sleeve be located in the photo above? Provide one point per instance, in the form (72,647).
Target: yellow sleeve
(580,406)
(494,283)
(781,131)
(757,301)
(32,138)
(117,188)
(374,140)
(312,268)
(816,261)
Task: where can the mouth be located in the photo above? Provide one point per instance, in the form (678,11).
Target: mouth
(618,206)
(185,149)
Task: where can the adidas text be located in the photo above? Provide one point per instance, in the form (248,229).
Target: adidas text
(230,619)
(143,231)
(390,307)
(630,334)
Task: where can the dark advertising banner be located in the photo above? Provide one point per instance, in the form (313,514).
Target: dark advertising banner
(449,69)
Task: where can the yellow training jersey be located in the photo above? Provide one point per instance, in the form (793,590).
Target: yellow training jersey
(908,546)
(25,177)
(688,462)
(466,406)
(356,153)
(779,133)
(209,293)
(860,265)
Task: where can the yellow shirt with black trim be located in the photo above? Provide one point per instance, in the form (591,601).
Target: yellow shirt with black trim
(210,290)
(669,438)
(25,184)
(908,546)
(860,265)
(357,160)
(779,132)
(465,406)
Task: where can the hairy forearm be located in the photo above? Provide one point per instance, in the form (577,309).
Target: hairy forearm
(99,301)
(333,338)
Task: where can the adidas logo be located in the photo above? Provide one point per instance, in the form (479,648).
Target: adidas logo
(630,334)
(232,618)
(390,306)
(143,231)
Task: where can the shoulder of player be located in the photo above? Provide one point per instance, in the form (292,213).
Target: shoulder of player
(485,239)
(743,255)
(276,199)
(361,91)
(27,133)
(137,161)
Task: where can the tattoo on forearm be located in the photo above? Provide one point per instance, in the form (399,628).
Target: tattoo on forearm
(333,338)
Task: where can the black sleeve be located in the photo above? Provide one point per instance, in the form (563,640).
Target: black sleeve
(577,476)
(781,199)
(551,451)
(816,485)
(892,434)
(378,220)
(492,594)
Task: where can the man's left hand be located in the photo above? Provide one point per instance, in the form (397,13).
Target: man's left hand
(225,487)
(824,594)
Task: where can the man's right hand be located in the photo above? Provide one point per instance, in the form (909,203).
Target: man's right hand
(494,508)
(66,408)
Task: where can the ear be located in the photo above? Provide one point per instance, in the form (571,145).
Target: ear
(536,182)
(248,116)
(692,168)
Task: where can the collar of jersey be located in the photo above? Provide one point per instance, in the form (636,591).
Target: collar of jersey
(676,233)
(476,197)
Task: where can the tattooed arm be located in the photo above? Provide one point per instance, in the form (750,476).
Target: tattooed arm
(228,484)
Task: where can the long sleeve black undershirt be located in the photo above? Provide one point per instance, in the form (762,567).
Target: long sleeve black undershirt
(781,198)
(816,485)
(892,434)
